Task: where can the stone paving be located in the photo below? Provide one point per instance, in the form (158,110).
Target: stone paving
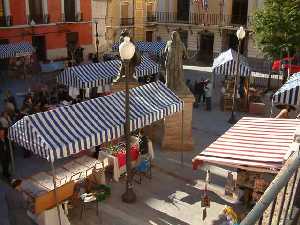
(173,195)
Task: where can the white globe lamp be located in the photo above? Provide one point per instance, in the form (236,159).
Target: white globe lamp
(126,49)
(241,33)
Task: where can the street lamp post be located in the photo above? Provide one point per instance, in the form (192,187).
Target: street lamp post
(127,50)
(240,35)
(97,41)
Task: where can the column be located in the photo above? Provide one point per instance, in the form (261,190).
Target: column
(7,12)
(62,6)
(78,10)
(27,11)
(45,11)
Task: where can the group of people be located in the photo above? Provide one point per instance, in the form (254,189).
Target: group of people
(202,91)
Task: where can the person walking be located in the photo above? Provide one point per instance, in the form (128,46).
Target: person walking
(4,152)
(201,90)
(208,93)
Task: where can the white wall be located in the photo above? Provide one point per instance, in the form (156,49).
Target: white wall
(99,14)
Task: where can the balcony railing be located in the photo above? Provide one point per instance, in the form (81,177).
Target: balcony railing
(76,17)
(38,19)
(151,18)
(202,19)
(6,21)
(127,21)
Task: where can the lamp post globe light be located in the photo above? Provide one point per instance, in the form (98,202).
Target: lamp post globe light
(127,50)
(241,33)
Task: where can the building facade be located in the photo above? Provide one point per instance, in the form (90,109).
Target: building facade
(54,27)
(129,14)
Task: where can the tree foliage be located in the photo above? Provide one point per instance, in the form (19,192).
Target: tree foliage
(277,27)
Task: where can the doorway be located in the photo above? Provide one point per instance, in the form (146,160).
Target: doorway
(70,15)
(39,43)
(183,10)
(72,43)
(149,36)
(239,12)
(206,46)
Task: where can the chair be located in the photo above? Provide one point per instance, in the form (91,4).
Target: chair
(85,199)
(144,168)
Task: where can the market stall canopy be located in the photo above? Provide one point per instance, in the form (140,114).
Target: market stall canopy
(252,144)
(226,64)
(99,74)
(288,94)
(15,50)
(67,130)
(155,48)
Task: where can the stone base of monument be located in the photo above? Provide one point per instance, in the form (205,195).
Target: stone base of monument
(178,128)
(120,86)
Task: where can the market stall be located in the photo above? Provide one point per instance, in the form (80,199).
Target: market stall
(226,65)
(15,50)
(155,48)
(289,93)
(255,148)
(101,74)
(67,131)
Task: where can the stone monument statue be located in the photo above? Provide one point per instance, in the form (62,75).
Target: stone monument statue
(175,53)
(178,127)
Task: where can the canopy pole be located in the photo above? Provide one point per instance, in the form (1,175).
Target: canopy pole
(12,157)
(55,190)
(182,117)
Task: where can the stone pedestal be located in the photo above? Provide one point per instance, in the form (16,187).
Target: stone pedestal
(178,128)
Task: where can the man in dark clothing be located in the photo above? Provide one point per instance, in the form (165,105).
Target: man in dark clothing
(201,90)
(17,206)
(4,153)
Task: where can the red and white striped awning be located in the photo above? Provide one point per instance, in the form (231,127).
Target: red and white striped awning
(261,143)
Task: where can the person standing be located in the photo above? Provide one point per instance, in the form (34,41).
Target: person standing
(17,205)
(208,93)
(201,90)
(4,152)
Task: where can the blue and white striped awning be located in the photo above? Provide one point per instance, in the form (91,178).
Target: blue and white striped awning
(67,130)
(226,64)
(99,74)
(15,50)
(153,48)
(289,93)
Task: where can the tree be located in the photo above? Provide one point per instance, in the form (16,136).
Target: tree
(277,27)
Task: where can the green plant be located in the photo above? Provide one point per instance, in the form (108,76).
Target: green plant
(102,192)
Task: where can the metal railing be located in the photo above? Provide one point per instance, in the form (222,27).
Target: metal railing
(276,205)
(6,21)
(38,19)
(76,17)
(201,19)
(127,22)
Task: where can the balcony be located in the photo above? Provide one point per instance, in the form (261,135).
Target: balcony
(6,21)
(76,17)
(127,22)
(151,18)
(38,19)
(202,19)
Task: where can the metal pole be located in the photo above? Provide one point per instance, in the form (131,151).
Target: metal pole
(272,211)
(55,191)
(129,196)
(232,119)
(291,165)
(97,41)
(282,204)
(290,197)
(182,117)
(12,157)
(294,195)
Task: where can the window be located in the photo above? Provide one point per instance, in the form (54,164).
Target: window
(70,12)
(150,14)
(36,11)
(125,20)
(2,14)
